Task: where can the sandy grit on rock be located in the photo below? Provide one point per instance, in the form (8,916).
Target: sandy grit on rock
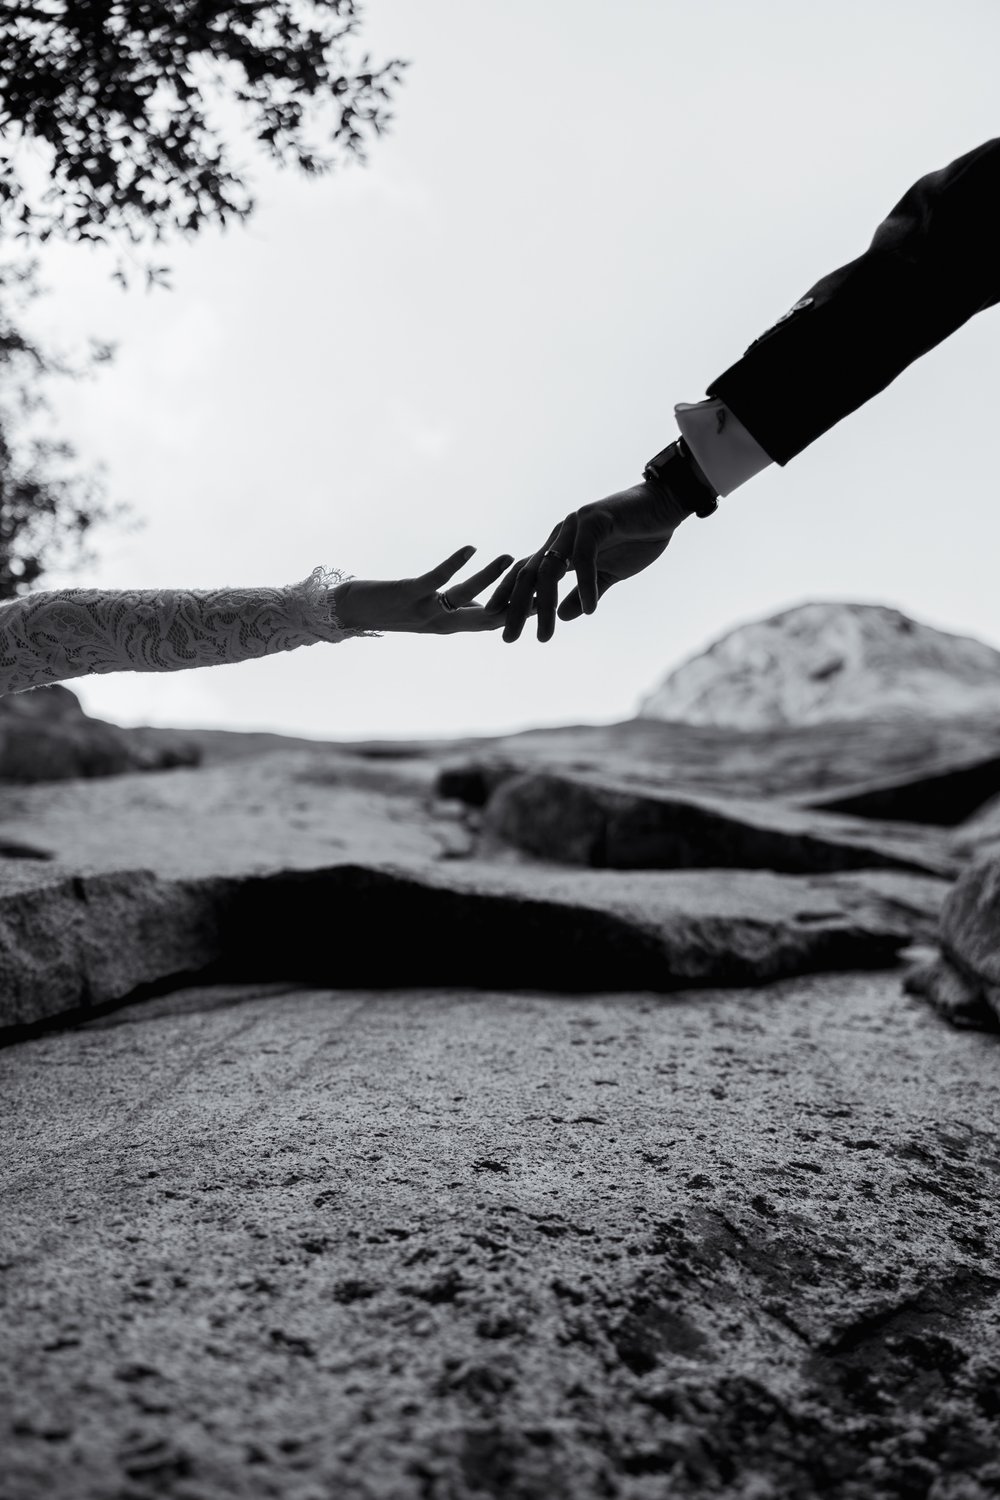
(434,1246)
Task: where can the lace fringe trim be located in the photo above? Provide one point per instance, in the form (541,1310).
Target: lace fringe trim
(315,596)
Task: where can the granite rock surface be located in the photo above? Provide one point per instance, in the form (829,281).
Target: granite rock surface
(462,1227)
(444,1246)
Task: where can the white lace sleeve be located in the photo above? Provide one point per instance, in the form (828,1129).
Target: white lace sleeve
(49,637)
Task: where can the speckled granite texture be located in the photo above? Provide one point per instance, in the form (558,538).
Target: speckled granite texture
(441,1246)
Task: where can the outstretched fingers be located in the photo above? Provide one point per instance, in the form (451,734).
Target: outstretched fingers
(556,561)
(500,597)
(465,592)
(587,589)
(521,597)
(436,578)
(535,584)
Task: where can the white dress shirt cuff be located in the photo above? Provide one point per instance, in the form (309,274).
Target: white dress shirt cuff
(723,448)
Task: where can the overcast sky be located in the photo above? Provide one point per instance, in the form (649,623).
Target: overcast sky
(584,212)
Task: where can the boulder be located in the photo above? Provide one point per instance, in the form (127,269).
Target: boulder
(954,996)
(46,736)
(830,661)
(616,824)
(963,981)
(970,922)
(72,941)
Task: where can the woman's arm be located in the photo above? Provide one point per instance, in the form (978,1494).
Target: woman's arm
(52,637)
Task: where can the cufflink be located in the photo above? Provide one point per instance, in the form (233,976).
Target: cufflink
(795,307)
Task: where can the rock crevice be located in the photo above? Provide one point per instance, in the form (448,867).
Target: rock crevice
(70,941)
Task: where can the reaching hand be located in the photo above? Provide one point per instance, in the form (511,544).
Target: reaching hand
(602,543)
(416,605)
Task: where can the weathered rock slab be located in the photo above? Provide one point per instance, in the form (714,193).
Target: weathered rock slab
(442,1246)
(70,941)
(612,823)
(780,762)
(940,795)
(280,810)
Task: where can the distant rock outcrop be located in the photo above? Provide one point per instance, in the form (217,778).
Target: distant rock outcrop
(830,661)
(46,736)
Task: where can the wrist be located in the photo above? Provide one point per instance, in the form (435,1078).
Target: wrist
(344,609)
(667,510)
(674,474)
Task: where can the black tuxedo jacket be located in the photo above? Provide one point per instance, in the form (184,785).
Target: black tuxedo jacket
(932,263)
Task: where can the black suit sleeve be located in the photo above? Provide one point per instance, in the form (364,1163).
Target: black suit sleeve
(932,263)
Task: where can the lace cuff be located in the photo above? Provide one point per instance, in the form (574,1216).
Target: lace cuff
(50,637)
(314,596)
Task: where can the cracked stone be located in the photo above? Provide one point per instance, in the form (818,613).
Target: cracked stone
(71,942)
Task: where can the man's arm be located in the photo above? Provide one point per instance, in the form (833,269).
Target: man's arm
(932,263)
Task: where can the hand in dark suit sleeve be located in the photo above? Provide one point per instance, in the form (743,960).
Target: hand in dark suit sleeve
(932,264)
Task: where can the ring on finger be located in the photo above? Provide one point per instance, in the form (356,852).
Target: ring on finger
(551,552)
(446,604)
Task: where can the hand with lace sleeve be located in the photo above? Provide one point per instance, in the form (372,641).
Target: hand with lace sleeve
(66,633)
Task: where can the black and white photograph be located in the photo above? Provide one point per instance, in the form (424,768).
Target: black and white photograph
(499,750)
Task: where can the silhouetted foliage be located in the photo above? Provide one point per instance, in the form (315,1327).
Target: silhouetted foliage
(120,124)
(133,110)
(47,504)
